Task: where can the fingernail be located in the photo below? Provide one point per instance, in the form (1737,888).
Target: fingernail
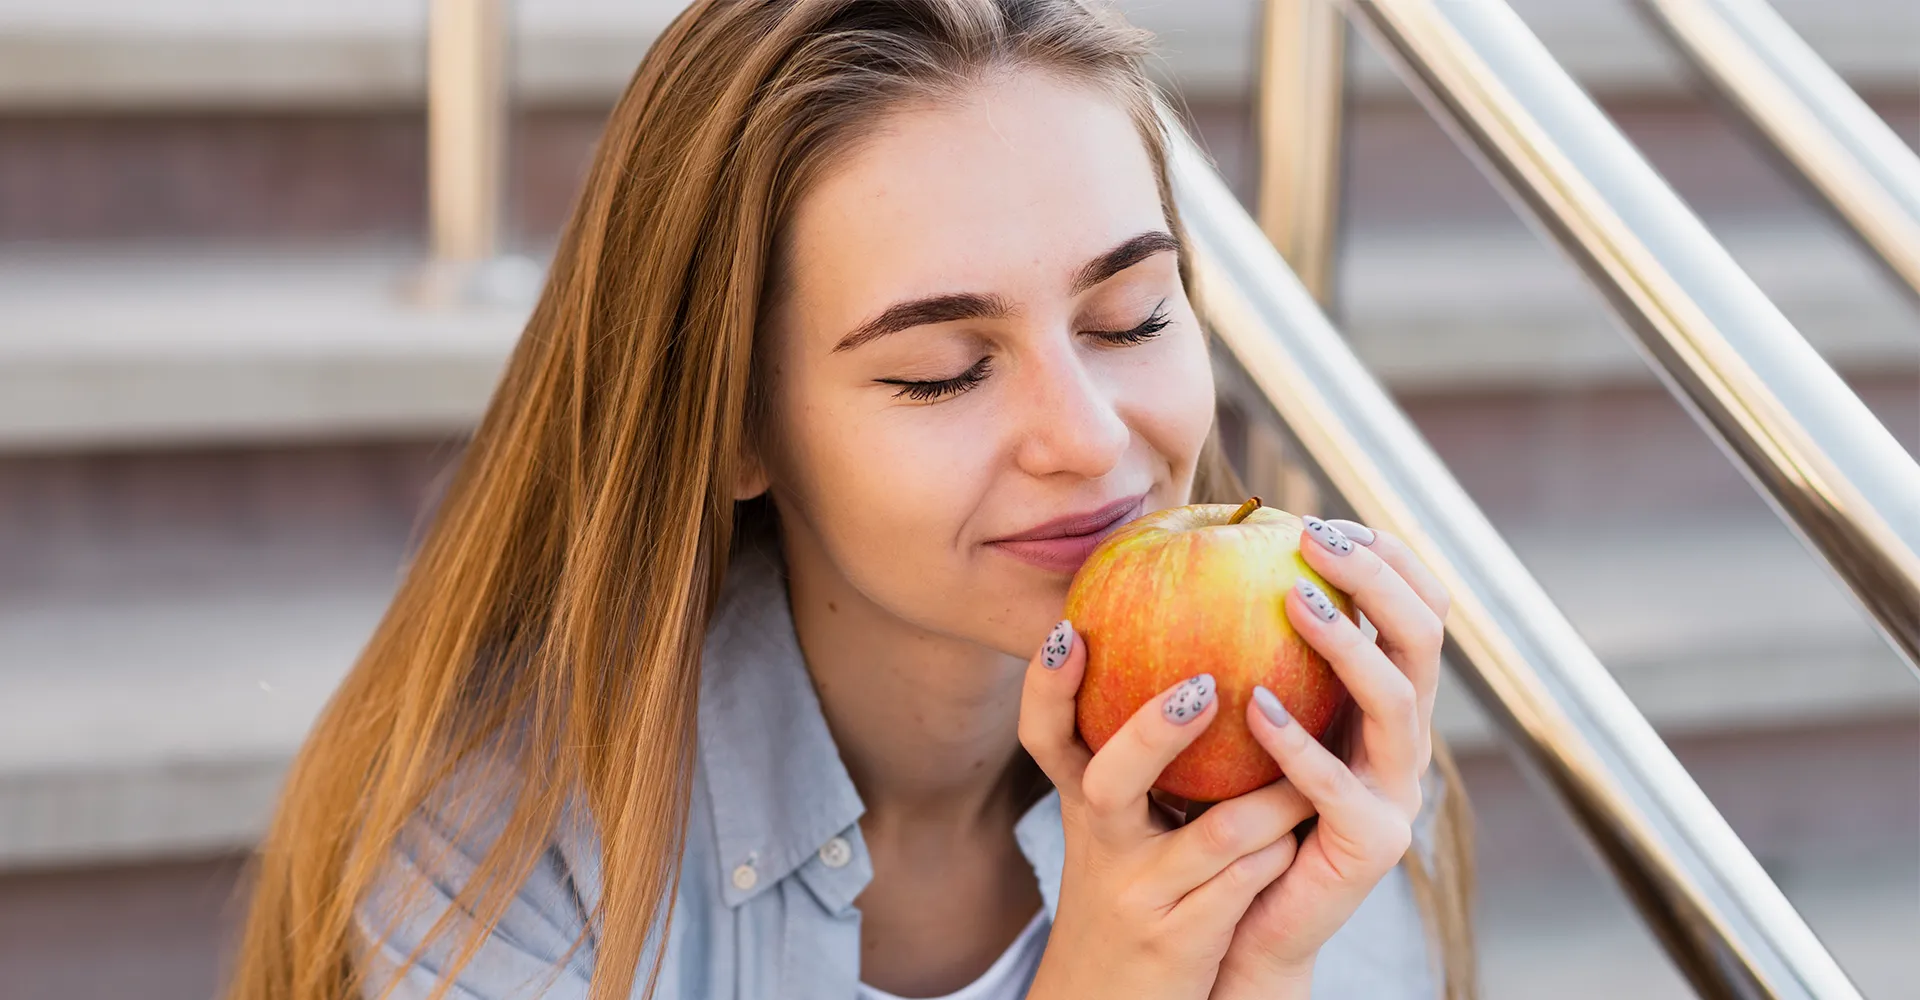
(1353,529)
(1189,699)
(1328,536)
(1059,644)
(1270,707)
(1317,599)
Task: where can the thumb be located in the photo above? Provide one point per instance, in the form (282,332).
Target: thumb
(1048,704)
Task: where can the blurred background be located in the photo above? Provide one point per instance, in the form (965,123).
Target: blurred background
(223,406)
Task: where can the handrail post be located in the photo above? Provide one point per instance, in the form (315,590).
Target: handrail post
(1297,130)
(467,101)
(1298,126)
(466,126)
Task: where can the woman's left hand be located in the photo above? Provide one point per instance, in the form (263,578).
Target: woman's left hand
(1366,788)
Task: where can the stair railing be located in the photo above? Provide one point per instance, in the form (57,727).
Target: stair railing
(1845,152)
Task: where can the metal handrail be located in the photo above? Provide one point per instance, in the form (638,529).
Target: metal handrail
(1831,470)
(1722,919)
(1849,156)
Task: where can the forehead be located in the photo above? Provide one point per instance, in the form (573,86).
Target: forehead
(1008,190)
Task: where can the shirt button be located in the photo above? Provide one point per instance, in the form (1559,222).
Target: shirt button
(836,853)
(745,878)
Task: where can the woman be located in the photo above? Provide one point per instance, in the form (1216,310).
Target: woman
(721,671)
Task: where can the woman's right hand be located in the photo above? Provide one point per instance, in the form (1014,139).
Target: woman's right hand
(1147,906)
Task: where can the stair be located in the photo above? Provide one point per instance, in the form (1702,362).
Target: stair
(222,418)
(217,458)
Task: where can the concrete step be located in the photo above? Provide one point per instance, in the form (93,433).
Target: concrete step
(124,347)
(1575,937)
(163,931)
(154,697)
(207,53)
(1708,624)
(297,176)
(1830,810)
(118,348)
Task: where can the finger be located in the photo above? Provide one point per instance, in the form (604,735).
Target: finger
(1115,783)
(1395,553)
(1409,628)
(1424,671)
(1351,821)
(1384,695)
(1047,726)
(1227,832)
(1234,887)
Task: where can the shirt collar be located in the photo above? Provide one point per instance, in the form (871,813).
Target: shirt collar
(778,788)
(1043,840)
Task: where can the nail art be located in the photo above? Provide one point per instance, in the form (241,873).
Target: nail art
(1317,599)
(1059,644)
(1328,536)
(1270,706)
(1189,699)
(1354,530)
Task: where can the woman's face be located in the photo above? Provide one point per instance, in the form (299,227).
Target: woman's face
(983,358)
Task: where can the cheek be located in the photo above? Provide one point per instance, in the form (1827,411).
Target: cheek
(1170,404)
(898,484)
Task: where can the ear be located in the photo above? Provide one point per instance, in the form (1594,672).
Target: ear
(751,480)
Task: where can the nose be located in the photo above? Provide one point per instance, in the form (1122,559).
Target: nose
(1070,423)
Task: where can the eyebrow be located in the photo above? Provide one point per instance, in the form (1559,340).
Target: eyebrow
(975,305)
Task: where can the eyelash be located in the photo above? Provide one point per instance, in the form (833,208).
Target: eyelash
(926,391)
(1147,330)
(940,388)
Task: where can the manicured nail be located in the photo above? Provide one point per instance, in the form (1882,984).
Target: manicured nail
(1317,599)
(1328,536)
(1059,644)
(1354,530)
(1270,706)
(1189,699)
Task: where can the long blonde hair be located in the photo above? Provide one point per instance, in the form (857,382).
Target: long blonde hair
(557,603)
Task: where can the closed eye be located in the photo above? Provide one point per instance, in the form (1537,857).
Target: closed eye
(926,391)
(1147,330)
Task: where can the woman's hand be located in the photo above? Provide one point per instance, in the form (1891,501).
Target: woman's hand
(1367,804)
(1147,907)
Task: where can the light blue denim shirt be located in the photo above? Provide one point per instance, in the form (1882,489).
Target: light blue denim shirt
(773,859)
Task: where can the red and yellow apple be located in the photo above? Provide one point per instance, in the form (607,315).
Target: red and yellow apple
(1201,589)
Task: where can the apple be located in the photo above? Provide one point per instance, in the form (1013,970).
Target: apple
(1200,589)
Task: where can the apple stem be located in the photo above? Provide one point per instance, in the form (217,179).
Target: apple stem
(1252,504)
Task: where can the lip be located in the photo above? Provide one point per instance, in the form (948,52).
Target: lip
(1062,544)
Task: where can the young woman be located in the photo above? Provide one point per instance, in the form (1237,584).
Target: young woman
(721,671)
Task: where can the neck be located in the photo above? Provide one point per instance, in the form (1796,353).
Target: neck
(927,725)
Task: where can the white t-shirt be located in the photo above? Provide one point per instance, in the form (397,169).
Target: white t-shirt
(1007,979)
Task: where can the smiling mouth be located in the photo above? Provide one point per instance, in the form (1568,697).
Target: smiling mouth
(1061,545)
